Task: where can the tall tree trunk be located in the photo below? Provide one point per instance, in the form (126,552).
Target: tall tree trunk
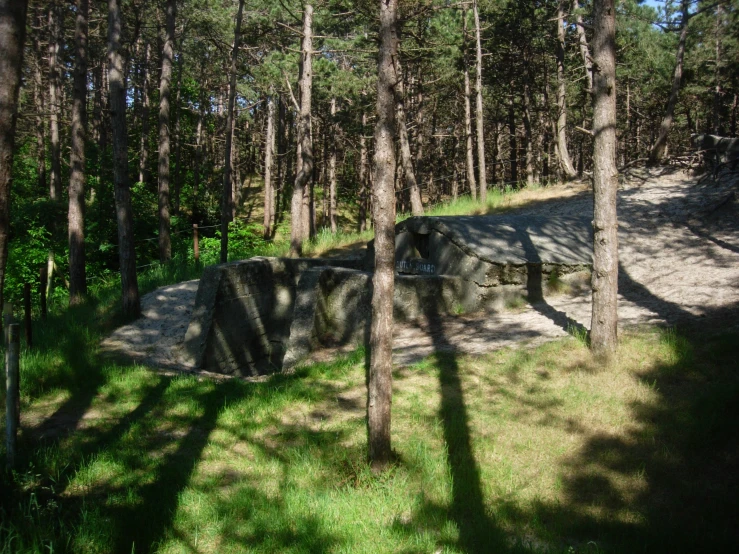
(513,141)
(38,102)
(199,147)
(178,137)
(582,40)
(528,132)
(380,385)
(717,127)
(76,218)
(124,215)
(55,177)
(482,177)
(227,203)
(406,156)
(469,142)
(304,170)
(332,131)
(144,176)
(12,37)
(269,151)
(363,193)
(659,148)
(165,85)
(561,123)
(604,324)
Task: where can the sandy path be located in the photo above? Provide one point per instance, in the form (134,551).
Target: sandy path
(679,252)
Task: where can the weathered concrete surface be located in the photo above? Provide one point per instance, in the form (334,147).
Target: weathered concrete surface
(500,239)
(242,316)
(509,257)
(336,307)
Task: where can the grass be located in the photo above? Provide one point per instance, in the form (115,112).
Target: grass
(537,450)
(529,450)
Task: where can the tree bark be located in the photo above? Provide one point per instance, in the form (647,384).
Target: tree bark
(406,156)
(124,216)
(144,174)
(482,176)
(165,86)
(565,161)
(227,203)
(380,385)
(12,37)
(513,142)
(269,151)
(332,167)
(604,324)
(76,217)
(304,170)
(659,148)
(363,176)
(583,44)
(40,104)
(55,177)
(528,132)
(469,142)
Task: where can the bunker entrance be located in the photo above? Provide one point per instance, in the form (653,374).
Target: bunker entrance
(264,315)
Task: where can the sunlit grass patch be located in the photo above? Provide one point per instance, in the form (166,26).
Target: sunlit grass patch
(538,449)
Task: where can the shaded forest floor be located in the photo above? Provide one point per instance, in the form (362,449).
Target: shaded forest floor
(499,448)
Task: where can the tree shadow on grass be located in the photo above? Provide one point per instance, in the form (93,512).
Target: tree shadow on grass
(478,530)
(669,483)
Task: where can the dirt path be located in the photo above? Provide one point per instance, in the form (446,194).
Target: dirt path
(679,254)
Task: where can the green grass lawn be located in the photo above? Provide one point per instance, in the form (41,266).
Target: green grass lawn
(530,450)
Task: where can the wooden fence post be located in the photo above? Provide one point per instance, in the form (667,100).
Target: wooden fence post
(12,395)
(195,243)
(44,278)
(27,314)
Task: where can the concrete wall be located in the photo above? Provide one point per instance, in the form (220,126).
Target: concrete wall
(243,314)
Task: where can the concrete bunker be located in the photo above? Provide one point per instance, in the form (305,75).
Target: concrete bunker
(264,315)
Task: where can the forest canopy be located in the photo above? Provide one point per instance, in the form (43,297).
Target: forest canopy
(227,110)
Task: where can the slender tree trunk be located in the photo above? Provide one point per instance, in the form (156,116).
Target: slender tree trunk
(380,385)
(528,133)
(199,147)
(269,150)
(582,40)
(717,127)
(124,216)
(513,141)
(469,141)
(604,324)
(165,86)
(12,37)
(55,177)
(178,138)
(38,102)
(363,176)
(304,169)
(482,176)
(406,156)
(659,148)
(561,123)
(144,176)
(332,168)
(76,218)
(227,201)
